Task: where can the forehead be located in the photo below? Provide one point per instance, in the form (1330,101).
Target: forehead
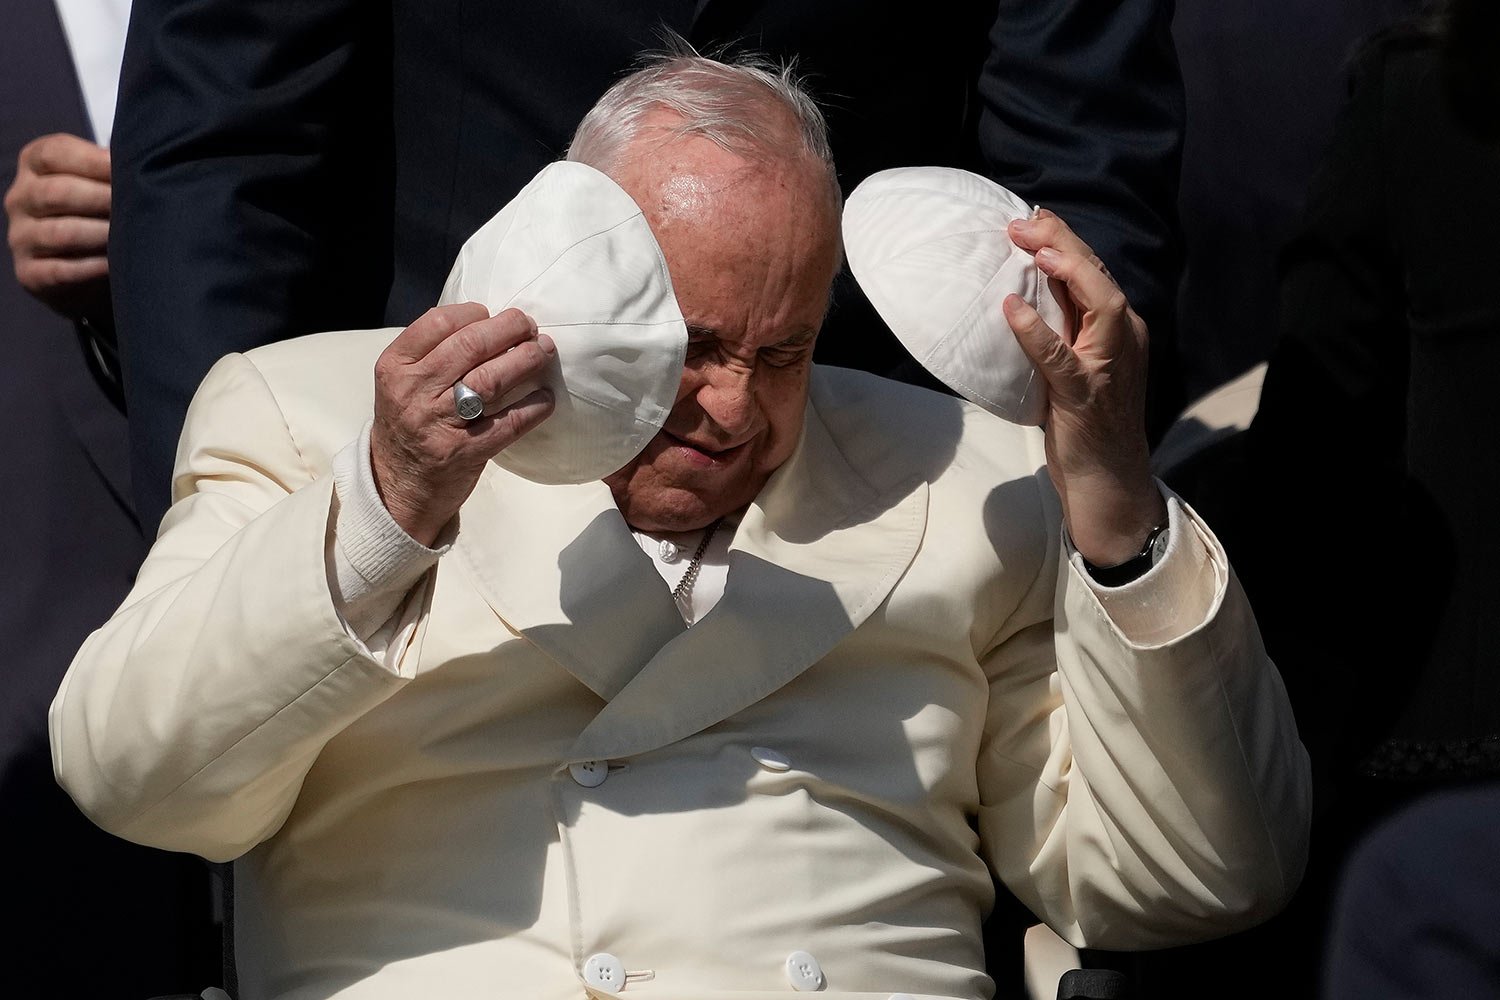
(740,235)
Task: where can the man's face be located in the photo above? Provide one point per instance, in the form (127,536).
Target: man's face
(752,249)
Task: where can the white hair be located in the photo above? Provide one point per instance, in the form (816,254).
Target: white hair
(748,106)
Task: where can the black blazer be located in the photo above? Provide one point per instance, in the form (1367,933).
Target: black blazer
(90,915)
(284,168)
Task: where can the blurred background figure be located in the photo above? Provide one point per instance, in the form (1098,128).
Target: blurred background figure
(285,168)
(88,915)
(1420,903)
(1378,406)
(1264,80)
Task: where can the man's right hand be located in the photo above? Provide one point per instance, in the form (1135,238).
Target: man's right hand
(426,458)
(59,224)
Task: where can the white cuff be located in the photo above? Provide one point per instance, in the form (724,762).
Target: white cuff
(373,563)
(1177,594)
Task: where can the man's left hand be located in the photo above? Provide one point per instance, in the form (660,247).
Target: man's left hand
(1097,454)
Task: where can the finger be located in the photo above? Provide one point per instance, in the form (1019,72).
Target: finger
(1047,230)
(65,236)
(61,194)
(476,343)
(1041,344)
(1087,284)
(503,428)
(432,328)
(43,275)
(503,376)
(61,153)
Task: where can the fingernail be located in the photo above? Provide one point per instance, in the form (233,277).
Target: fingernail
(1048,258)
(545,343)
(1023,225)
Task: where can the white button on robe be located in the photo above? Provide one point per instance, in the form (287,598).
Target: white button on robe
(804,972)
(771,760)
(589,773)
(604,971)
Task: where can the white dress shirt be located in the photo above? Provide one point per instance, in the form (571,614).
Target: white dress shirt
(96,38)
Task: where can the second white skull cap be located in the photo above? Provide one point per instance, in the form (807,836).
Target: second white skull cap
(928,246)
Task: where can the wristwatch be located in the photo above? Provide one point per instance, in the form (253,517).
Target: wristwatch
(1135,567)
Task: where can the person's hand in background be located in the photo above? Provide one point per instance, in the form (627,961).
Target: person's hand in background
(58,212)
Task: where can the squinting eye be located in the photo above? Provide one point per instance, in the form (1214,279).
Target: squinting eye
(781,357)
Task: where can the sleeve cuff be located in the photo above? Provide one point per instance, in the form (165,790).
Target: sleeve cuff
(374,562)
(1176,595)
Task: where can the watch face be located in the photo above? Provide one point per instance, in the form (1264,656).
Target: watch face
(1159,545)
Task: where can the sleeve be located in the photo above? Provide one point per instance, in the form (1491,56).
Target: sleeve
(251,171)
(1141,794)
(1082,111)
(189,720)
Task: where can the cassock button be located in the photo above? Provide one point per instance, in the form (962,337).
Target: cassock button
(771,760)
(604,972)
(804,972)
(589,773)
(668,551)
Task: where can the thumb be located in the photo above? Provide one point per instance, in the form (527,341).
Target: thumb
(1051,355)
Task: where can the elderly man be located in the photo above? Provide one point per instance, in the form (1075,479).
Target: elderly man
(458,736)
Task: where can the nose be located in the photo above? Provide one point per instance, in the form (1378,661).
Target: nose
(726,395)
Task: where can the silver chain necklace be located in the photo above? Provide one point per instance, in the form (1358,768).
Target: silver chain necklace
(684,588)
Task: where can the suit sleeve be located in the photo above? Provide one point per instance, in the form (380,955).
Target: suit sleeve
(189,720)
(251,171)
(1142,791)
(1082,111)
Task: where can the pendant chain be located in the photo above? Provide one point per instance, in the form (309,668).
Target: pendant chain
(685,585)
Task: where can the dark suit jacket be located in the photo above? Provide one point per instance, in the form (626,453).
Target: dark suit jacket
(90,915)
(1379,407)
(284,168)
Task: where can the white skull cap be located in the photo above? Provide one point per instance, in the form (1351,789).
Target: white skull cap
(574,252)
(928,246)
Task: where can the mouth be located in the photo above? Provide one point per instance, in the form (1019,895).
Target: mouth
(702,456)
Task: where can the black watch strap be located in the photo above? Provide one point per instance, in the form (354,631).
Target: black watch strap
(1135,567)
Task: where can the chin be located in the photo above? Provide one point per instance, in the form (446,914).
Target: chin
(670,508)
(679,510)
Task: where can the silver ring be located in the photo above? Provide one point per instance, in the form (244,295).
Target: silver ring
(468,403)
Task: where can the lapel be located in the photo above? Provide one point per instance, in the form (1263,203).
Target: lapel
(558,564)
(812,558)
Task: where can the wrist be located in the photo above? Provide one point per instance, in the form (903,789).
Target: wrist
(412,515)
(1152,550)
(1110,525)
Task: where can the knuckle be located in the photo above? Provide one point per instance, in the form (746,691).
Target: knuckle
(469,341)
(517,322)
(440,320)
(55,235)
(50,194)
(388,369)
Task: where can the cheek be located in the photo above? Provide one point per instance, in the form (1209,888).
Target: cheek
(784,404)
